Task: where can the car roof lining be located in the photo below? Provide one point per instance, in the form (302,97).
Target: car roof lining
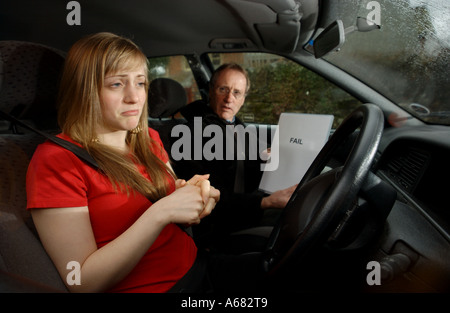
(189,29)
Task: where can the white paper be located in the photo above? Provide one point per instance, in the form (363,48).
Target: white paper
(297,140)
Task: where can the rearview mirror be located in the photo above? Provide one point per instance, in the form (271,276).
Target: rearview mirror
(330,39)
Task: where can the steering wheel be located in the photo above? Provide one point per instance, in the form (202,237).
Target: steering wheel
(320,201)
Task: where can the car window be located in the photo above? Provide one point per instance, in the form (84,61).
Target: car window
(280,85)
(409,56)
(177,68)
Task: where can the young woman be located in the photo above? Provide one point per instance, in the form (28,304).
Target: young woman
(119,223)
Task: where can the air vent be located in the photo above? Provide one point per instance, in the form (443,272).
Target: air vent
(406,169)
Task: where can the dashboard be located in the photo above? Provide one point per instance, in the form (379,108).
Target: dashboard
(416,162)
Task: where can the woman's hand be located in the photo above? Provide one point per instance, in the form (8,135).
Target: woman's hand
(210,195)
(192,200)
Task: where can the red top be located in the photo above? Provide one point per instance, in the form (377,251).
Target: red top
(57,178)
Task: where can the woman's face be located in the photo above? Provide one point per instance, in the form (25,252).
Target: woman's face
(122,98)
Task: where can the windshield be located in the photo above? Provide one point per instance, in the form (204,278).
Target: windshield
(407,60)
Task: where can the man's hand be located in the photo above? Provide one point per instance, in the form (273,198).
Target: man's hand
(278,199)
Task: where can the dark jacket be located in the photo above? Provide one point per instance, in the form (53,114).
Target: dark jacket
(239,207)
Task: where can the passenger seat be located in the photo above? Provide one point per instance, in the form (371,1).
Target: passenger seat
(166,97)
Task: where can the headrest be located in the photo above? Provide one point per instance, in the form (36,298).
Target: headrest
(165,97)
(198,108)
(29,77)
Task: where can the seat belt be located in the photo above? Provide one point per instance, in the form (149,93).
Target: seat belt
(239,184)
(239,178)
(75,149)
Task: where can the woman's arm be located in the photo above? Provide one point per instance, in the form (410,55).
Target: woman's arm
(67,235)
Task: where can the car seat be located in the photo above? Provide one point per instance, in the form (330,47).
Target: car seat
(165,99)
(29,75)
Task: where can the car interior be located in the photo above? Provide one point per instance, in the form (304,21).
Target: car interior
(377,220)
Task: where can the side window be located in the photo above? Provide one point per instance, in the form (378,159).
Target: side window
(177,68)
(280,85)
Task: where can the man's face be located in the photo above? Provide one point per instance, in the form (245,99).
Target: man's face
(228,94)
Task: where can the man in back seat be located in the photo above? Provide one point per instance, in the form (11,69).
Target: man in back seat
(242,206)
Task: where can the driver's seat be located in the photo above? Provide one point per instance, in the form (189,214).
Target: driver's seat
(29,75)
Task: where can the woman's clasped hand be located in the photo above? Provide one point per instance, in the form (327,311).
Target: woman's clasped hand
(191,201)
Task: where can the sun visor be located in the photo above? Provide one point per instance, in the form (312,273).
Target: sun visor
(276,22)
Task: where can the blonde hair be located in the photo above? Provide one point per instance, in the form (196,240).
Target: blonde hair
(87,63)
